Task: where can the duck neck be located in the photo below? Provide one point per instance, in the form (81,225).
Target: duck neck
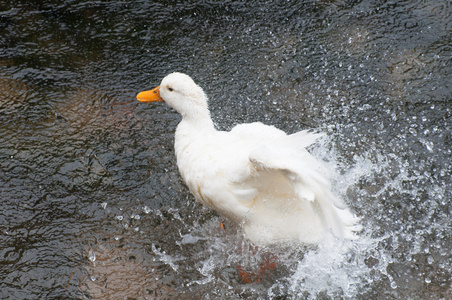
(198,118)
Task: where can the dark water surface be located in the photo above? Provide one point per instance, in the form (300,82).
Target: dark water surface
(92,205)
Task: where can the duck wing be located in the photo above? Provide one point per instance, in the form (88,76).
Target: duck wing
(289,194)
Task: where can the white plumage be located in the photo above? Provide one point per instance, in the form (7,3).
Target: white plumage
(255,175)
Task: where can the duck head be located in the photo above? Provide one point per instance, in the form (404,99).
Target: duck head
(181,93)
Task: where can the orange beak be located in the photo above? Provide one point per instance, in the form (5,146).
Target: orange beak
(150,96)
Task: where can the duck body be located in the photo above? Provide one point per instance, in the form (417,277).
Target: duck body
(256,175)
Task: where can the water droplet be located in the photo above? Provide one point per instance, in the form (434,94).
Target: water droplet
(427,280)
(393,284)
(119,218)
(92,255)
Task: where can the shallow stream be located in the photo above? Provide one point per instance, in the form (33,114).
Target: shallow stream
(92,205)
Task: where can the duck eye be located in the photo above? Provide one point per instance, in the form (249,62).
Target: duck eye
(170,89)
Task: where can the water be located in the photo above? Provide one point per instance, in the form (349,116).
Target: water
(92,205)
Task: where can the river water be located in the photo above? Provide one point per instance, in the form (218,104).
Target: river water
(93,207)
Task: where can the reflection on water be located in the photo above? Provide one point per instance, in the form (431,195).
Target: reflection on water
(92,205)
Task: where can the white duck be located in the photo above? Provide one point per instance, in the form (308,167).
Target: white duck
(255,175)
